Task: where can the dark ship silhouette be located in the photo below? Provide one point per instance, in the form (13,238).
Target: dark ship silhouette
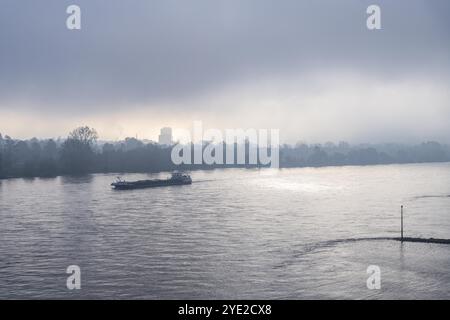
(177,178)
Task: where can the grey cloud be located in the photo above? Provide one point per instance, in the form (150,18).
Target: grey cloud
(151,52)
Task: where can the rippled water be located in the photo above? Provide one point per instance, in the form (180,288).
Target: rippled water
(233,233)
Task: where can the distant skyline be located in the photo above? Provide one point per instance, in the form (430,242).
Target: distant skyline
(309,68)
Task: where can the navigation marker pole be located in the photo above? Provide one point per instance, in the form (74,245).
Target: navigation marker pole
(401,218)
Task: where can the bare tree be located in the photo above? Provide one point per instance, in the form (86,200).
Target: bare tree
(76,152)
(85,135)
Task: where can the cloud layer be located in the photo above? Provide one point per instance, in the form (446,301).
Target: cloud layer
(223,60)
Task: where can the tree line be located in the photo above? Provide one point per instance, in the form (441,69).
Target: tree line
(81,153)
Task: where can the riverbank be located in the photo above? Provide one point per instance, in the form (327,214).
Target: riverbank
(212,167)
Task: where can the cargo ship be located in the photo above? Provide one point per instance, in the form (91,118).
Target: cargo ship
(177,178)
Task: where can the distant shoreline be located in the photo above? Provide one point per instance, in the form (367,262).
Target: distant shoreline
(217,168)
(80,154)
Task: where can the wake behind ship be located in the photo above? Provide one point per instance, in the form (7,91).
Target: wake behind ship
(177,178)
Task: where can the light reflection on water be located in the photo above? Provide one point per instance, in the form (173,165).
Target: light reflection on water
(234,233)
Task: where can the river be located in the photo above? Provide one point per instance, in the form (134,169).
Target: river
(232,234)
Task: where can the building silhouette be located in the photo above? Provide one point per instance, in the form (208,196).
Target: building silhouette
(165,136)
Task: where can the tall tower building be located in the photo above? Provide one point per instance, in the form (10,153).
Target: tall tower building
(165,137)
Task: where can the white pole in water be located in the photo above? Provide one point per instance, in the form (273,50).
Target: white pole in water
(401,223)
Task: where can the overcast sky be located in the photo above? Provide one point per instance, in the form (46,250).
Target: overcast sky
(310,68)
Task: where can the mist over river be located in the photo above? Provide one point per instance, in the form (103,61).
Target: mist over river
(232,234)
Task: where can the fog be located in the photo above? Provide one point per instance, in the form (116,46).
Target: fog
(309,68)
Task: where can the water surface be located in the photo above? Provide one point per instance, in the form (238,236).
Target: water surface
(232,234)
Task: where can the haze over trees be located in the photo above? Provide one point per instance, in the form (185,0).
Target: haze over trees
(82,153)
